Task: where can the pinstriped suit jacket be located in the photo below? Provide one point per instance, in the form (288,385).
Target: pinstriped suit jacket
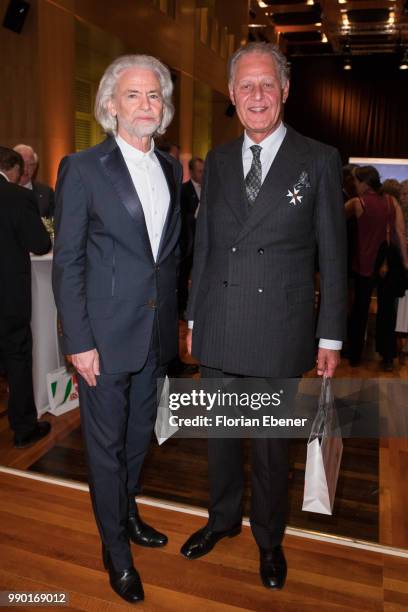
(252,298)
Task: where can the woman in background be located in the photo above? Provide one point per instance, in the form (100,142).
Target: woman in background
(402,313)
(375,212)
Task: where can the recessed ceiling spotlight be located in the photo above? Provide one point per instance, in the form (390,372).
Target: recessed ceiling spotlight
(404,62)
(347,64)
(342,1)
(324,38)
(310,2)
(256,25)
(318,24)
(262,4)
(391,18)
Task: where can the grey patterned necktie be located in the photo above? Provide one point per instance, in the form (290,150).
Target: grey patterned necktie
(253,179)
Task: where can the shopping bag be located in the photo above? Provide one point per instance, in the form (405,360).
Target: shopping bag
(162,428)
(324,451)
(62,388)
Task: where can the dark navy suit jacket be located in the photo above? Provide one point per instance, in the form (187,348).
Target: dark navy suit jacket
(106,283)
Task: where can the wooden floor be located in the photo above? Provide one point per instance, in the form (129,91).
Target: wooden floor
(177,471)
(48,542)
(392,519)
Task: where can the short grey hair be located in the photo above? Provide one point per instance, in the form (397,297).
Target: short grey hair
(108,83)
(266,49)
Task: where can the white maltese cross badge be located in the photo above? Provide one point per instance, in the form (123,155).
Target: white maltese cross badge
(294,196)
(294,193)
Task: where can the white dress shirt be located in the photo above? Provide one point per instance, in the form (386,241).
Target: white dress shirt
(5,176)
(270,146)
(197,188)
(151,186)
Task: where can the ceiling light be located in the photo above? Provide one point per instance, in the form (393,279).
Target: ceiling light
(262,4)
(256,25)
(345,20)
(404,62)
(342,1)
(318,24)
(324,38)
(391,18)
(347,64)
(310,2)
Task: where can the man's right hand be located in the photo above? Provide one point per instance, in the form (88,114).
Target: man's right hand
(87,365)
(189,340)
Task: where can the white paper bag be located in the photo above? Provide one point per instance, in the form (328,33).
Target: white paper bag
(324,451)
(62,389)
(162,428)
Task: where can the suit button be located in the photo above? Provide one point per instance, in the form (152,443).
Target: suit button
(152,304)
(157,268)
(225,283)
(260,289)
(261,251)
(234,249)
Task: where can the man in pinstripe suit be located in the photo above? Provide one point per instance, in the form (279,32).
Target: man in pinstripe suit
(269,199)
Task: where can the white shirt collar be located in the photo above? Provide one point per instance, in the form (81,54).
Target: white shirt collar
(5,176)
(134,154)
(268,143)
(196,186)
(28,185)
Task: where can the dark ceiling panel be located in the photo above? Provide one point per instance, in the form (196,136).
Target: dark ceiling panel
(316,49)
(363,39)
(302,36)
(278,2)
(368,15)
(289,19)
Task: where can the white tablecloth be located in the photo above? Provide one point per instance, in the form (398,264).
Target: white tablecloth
(46,352)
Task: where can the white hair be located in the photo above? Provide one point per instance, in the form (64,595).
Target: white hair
(108,83)
(23,147)
(265,49)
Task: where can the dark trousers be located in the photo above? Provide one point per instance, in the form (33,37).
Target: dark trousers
(385,321)
(117,418)
(269,482)
(16,357)
(186,265)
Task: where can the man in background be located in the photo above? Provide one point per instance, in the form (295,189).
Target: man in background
(43,194)
(189,204)
(21,231)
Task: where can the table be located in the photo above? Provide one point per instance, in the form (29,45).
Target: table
(47,355)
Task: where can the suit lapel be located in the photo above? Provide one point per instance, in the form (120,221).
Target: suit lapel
(170,218)
(231,172)
(283,173)
(115,168)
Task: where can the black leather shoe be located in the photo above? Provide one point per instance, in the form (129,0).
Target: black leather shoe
(143,534)
(22,441)
(126,583)
(204,540)
(273,568)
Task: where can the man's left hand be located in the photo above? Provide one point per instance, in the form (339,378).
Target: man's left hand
(327,362)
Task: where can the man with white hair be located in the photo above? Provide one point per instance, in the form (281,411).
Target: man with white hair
(114,279)
(43,193)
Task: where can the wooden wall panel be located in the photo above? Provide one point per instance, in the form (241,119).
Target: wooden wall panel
(56,81)
(19,82)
